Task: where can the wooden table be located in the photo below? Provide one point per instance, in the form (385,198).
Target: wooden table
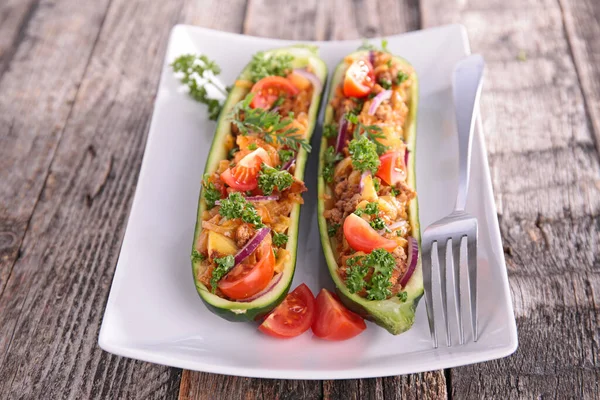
(77,84)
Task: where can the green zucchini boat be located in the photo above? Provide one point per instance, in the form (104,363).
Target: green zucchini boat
(244,250)
(367,210)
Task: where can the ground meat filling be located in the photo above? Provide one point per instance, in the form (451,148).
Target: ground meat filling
(346,196)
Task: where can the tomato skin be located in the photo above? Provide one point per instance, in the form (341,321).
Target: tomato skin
(333,321)
(293,316)
(267,90)
(245,280)
(389,168)
(361,237)
(359,79)
(244,176)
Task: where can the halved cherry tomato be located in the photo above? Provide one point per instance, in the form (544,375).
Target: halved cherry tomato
(361,237)
(359,79)
(244,176)
(334,321)
(245,280)
(267,91)
(389,168)
(292,317)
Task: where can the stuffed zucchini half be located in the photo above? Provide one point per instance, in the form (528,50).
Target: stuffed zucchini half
(244,250)
(368,211)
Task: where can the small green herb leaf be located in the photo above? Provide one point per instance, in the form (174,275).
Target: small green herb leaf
(270,179)
(279,239)
(224,265)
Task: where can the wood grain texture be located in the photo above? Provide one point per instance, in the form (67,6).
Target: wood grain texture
(546,177)
(38,83)
(313,20)
(78,96)
(583,31)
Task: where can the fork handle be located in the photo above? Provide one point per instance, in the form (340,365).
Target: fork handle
(467,79)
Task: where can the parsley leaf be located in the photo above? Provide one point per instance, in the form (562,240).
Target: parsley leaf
(379,286)
(252,146)
(279,239)
(403,296)
(224,265)
(367,46)
(330,131)
(191,68)
(377,184)
(285,155)
(377,224)
(384,43)
(263,65)
(330,157)
(372,208)
(270,178)
(364,154)
(197,256)
(385,84)
(235,206)
(395,192)
(332,229)
(267,124)
(373,132)
(211,193)
(355,278)
(232,152)
(401,77)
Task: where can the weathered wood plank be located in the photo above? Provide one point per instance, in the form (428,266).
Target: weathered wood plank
(546,176)
(215,14)
(38,82)
(51,309)
(15,16)
(583,32)
(313,20)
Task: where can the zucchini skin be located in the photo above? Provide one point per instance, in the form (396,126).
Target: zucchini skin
(250,311)
(392,314)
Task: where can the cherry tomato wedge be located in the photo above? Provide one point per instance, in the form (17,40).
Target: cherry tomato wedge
(361,237)
(390,170)
(267,91)
(245,280)
(359,79)
(292,317)
(334,321)
(244,176)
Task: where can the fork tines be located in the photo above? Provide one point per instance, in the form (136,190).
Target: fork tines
(440,235)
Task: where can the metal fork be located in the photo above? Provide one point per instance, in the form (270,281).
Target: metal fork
(453,228)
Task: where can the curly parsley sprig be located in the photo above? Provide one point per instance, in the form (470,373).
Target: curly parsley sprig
(235,206)
(379,286)
(193,68)
(263,65)
(270,178)
(267,124)
(224,265)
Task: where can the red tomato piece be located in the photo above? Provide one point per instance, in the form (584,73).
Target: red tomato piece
(245,280)
(292,317)
(333,321)
(361,237)
(244,176)
(390,170)
(359,79)
(269,89)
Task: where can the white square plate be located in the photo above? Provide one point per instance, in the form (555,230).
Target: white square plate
(154,313)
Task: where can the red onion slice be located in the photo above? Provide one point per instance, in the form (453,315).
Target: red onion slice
(377,100)
(362,179)
(372,57)
(406,158)
(289,164)
(316,82)
(413,256)
(262,198)
(255,198)
(252,245)
(266,290)
(341,137)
